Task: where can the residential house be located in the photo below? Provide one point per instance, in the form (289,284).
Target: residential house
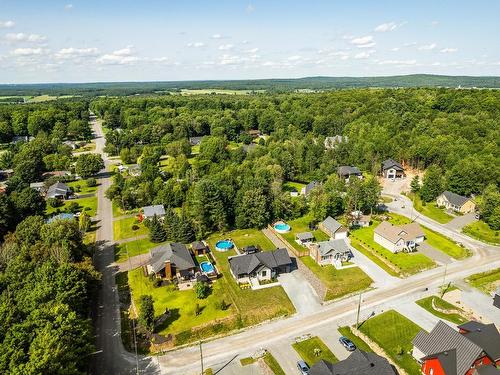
(171,260)
(71,144)
(455,202)
(149,212)
(304,238)
(333,228)
(346,172)
(22,138)
(396,238)
(331,252)
(262,266)
(496,298)
(358,363)
(199,248)
(359,220)
(392,169)
(38,186)
(473,349)
(332,142)
(254,133)
(195,141)
(308,188)
(58,191)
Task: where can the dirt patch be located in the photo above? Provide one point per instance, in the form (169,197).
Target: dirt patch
(455,297)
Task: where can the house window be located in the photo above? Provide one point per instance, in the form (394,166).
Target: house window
(431,371)
(264,273)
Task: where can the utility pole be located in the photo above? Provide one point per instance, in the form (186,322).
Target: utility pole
(201,358)
(359,308)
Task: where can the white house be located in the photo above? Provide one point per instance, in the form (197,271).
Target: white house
(396,238)
(391,169)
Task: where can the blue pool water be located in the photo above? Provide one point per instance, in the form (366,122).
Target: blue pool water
(282,227)
(207,267)
(224,245)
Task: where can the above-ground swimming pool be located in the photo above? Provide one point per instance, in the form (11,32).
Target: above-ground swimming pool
(224,245)
(282,227)
(207,267)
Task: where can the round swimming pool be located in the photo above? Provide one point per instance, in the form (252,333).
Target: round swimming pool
(282,227)
(224,245)
(207,267)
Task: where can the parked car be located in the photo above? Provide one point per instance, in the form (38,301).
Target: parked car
(303,368)
(348,344)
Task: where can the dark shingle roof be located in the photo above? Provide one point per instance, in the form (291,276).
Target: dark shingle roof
(150,211)
(311,185)
(333,247)
(177,253)
(346,170)
(305,236)
(331,224)
(444,338)
(358,363)
(455,199)
(198,245)
(485,336)
(246,264)
(487,370)
(390,163)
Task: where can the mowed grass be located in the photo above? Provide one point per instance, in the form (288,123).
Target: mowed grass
(290,185)
(431,210)
(123,228)
(302,225)
(454,317)
(117,211)
(247,237)
(306,351)
(338,282)
(133,248)
(80,187)
(89,205)
(485,281)
(394,333)
(273,364)
(482,231)
(359,342)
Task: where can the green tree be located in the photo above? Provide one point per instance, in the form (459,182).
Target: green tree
(28,202)
(415,184)
(490,206)
(252,210)
(88,165)
(156,231)
(28,230)
(432,184)
(202,289)
(146,312)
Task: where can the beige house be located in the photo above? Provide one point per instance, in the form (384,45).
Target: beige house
(455,202)
(333,228)
(396,238)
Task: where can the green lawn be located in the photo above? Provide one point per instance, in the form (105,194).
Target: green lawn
(247,237)
(89,205)
(134,248)
(485,281)
(457,318)
(83,188)
(117,211)
(87,148)
(290,185)
(359,342)
(482,232)
(302,225)
(123,228)
(365,250)
(306,351)
(431,210)
(394,333)
(273,364)
(338,282)
(407,263)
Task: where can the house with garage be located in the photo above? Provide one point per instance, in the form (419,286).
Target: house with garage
(455,202)
(332,252)
(306,190)
(304,238)
(391,169)
(148,212)
(347,172)
(171,260)
(396,238)
(473,349)
(259,266)
(58,191)
(332,142)
(358,363)
(333,228)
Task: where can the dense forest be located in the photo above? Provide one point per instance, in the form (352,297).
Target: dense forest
(270,85)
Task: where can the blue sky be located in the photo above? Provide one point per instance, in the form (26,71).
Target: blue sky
(107,40)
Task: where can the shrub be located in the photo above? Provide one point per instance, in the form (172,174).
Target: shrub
(54,202)
(91,182)
(73,207)
(135,227)
(77,188)
(202,290)
(198,309)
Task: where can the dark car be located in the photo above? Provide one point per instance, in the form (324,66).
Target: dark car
(348,344)
(303,368)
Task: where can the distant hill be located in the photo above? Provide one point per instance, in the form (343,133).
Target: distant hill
(311,83)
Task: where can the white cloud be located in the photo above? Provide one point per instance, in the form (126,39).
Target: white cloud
(22,37)
(216,36)
(68,7)
(225,47)
(294,58)
(448,50)
(29,51)
(398,62)
(252,50)
(71,53)
(427,47)
(363,42)
(7,24)
(196,44)
(395,49)
(119,57)
(384,27)
(364,54)
(250,8)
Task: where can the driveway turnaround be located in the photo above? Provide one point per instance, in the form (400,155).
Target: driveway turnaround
(378,275)
(300,292)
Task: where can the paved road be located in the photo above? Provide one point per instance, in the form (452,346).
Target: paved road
(112,358)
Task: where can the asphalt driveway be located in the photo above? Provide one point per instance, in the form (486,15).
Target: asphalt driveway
(434,254)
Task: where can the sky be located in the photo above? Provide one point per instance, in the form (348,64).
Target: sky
(152,40)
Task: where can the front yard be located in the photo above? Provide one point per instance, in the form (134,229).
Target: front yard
(338,282)
(88,205)
(359,342)
(487,282)
(128,228)
(133,248)
(482,232)
(306,350)
(431,210)
(445,310)
(394,333)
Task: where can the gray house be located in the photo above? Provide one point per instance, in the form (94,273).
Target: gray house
(171,260)
(346,172)
(149,211)
(261,265)
(331,252)
(455,202)
(308,188)
(58,191)
(333,228)
(358,363)
(392,169)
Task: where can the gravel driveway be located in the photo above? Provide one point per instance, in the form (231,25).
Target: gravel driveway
(300,292)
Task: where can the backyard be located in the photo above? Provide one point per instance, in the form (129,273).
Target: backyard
(302,225)
(89,205)
(482,232)
(306,350)
(445,310)
(247,237)
(128,227)
(487,282)
(394,333)
(338,282)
